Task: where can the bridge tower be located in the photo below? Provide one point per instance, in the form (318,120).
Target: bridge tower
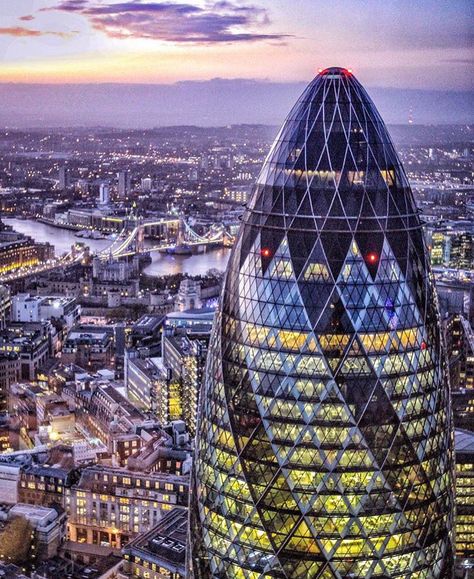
(140,237)
(180,239)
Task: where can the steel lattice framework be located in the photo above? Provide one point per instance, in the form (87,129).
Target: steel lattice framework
(324,443)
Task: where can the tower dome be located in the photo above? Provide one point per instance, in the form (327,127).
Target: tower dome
(324,444)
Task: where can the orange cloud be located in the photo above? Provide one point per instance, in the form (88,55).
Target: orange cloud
(21,31)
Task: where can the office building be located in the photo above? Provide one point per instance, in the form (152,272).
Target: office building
(184,358)
(146,184)
(160,553)
(64,180)
(465,496)
(5,306)
(123,184)
(324,443)
(147,384)
(28,308)
(90,347)
(104,193)
(109,506)
(10,367)
(32,342)
(18,250)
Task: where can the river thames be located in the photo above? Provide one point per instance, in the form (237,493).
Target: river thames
(62,239)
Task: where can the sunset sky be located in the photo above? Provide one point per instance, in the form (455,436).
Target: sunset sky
(422,44)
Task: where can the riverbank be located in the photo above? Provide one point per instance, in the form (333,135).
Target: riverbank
(63,239)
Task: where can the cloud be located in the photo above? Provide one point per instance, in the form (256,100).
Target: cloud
(22,31)
(221,21)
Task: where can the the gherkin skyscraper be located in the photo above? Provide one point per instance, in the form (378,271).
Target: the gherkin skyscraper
(324,445)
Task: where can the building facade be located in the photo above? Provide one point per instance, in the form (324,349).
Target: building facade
(32,342)
(28,308)
(5,305)
(184,356)
(109,506)
(324,445)
(465,497)
(9,374)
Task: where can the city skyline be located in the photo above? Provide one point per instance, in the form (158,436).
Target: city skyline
(236,289)
(149,63)
(419,45)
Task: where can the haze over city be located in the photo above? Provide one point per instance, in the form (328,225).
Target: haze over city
(205,63)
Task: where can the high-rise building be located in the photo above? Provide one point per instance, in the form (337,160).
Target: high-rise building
(184,355)
(324,445)
(5,306)
(123,184)
(104,193)
(464,498)
(64,181)
(462,251)
(146,184)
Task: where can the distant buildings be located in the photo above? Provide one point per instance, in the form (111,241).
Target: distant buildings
(5,306)
(104,194)
(91,347)
(189,295)
(17,250)
(452,245)
(116,270)
(32,342)
(28,308)
(123,188)
(64,180)
(160,553)
(237,194)
(146,184)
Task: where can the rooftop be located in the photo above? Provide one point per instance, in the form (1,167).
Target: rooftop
(165,544)
(464,441)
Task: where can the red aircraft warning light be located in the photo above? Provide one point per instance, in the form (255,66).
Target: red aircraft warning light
(372,257)
(266,252)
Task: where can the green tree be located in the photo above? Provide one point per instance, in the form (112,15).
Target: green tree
(15,541)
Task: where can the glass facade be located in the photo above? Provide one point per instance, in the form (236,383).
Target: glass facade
(324,444)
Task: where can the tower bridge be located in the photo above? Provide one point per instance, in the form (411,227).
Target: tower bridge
(171,233)
(175,234)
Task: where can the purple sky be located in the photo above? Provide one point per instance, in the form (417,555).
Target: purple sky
(265,50)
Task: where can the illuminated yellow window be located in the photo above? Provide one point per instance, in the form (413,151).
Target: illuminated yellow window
(316,272)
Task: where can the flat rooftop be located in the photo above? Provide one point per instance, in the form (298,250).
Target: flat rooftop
(165,544)
(464,441)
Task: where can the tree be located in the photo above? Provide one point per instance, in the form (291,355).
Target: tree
(15,541)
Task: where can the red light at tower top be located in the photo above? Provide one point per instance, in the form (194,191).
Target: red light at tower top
(372,258)
(265,252)
(335,70)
